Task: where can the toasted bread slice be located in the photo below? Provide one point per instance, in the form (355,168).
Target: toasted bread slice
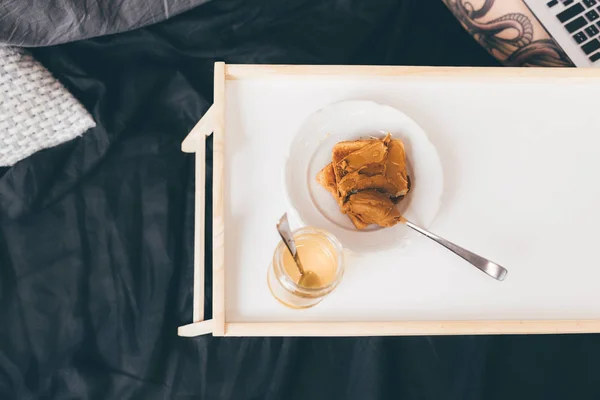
(396,171)
(326,178)
(373,207)
(341,151)
(377,167)
(370,164)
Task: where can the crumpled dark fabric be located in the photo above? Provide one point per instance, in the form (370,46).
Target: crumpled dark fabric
(96,234)
(48,22)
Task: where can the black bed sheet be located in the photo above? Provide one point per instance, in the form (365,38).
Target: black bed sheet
(96,234)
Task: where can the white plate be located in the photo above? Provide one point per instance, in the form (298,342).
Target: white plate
(350,120)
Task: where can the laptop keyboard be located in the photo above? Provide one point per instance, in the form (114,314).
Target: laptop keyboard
(581,19)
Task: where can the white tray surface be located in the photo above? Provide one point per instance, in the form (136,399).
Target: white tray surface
(521,165)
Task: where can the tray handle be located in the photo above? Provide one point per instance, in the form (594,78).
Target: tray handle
(195,142)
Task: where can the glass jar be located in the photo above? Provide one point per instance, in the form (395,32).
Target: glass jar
(323,259)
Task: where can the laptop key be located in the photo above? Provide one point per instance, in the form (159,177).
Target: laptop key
(592,30)
(552,3)
(595,57)
(576,24)
(568,2)
(591,46)
(580,37)
(589,3)
(570,12)
(592,15)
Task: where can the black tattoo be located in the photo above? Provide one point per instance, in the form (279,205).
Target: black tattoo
(517,51)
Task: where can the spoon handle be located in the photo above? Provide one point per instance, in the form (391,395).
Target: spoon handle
(285,232)
(491,268)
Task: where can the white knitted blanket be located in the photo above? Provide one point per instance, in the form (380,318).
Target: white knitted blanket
(36,111)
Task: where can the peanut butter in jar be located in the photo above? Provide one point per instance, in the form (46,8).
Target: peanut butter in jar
(322,259)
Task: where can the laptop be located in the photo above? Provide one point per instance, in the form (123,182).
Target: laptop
(574,24)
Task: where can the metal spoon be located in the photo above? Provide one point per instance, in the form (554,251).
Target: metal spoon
(491,268)
(307,278)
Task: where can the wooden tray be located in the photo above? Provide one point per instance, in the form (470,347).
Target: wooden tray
(521,155)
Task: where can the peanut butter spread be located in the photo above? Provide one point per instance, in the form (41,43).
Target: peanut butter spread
(372,207)
(367,178)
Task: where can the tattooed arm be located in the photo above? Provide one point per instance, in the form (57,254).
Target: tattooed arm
(509,31)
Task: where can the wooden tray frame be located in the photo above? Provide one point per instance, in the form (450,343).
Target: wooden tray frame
(213,122)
